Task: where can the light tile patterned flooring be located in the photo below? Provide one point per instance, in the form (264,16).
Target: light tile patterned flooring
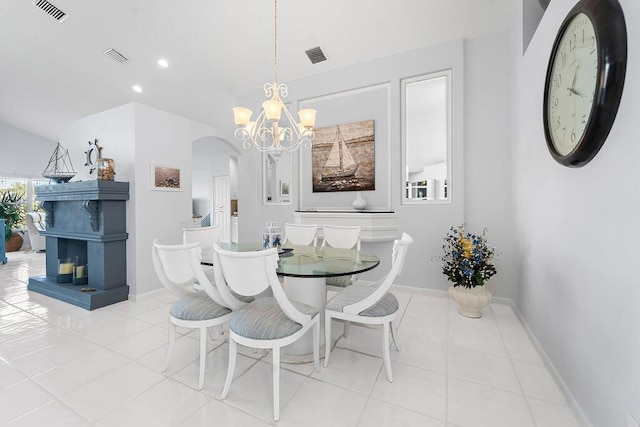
(61,365)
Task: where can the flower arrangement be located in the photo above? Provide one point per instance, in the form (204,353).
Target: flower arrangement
(467,259)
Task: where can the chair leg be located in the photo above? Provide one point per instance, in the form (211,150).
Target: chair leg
(385,350)
(233,348)
(276,383)
(203,355)
(347,325)
(316,345)
(327,338)
(172,340)
(394,334)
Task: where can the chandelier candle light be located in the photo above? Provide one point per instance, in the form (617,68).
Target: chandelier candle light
(267,133)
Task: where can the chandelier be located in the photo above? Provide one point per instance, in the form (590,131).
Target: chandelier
(268,133)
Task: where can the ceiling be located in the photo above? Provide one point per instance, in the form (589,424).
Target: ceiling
(53,73)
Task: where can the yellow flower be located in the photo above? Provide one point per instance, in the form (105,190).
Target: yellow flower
(466,247)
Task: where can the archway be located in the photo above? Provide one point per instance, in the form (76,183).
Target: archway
(215,184)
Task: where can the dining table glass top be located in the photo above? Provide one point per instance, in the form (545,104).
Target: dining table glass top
(308,261)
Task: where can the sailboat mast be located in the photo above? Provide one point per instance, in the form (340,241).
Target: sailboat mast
(340,142)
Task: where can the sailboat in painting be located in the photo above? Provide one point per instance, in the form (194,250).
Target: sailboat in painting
(340,163)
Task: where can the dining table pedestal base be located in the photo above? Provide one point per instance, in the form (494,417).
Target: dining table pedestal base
(311,291)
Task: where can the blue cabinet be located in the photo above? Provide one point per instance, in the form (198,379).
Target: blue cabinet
(3,244)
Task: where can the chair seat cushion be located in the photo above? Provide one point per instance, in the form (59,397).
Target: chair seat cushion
(197,307)
(263,319)
(385,306)
(340,281)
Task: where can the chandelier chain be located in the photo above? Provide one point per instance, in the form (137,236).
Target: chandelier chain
(275,41)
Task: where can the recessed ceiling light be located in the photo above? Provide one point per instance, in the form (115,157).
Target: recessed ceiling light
(163,63)
(137,88)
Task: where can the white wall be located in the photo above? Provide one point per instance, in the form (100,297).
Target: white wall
(165,138)
(24,154)
(487,150)
(480,142)
(577,231)
(135,135)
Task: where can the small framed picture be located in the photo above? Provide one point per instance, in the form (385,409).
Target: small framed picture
(166,177)
(284,188)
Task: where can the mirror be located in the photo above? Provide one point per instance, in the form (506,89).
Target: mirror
(426,138)
(276,178)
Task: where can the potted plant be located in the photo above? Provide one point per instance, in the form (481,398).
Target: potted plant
(468,263)
(12,210)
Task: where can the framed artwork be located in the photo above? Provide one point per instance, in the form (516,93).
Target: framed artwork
(284,188)
(343,157)
(166,177)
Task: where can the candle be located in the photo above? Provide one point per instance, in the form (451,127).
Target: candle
(66,268)
(81,271)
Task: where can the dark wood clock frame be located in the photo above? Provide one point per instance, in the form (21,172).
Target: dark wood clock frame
(611,36)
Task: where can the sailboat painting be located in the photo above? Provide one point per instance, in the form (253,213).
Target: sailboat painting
(343,157)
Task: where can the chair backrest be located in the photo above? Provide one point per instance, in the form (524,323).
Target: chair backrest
(398,253)
(177,266)
(343,237)
(250,273)
(205,236)
(301,234)
(35,222)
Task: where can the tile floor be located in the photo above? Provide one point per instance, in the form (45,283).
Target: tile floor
(61,365)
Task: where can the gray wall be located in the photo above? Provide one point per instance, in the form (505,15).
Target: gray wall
(481,152)
(24,154)
(577,236)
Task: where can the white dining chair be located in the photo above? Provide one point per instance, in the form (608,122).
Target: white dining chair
(268,322)
(370,304)
(300,234)
(343,237)
(205,237)
(177,266)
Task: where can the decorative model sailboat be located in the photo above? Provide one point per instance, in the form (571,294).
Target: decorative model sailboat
(59,168)
(340,163)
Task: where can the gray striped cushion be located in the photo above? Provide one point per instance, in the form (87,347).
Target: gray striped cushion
(385,306)
(263,319)
(341,281)
(197,307)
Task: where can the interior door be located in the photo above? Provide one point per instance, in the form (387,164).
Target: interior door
(221,206)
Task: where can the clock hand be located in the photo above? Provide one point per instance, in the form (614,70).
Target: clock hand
(575,75)
(576,92)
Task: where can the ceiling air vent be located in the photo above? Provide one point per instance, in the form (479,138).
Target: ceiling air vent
(116,56)
(316,55)
(50,10)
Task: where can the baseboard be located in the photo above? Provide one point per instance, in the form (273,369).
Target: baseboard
(421,291)
(564,389)
(147,295)
(571,401)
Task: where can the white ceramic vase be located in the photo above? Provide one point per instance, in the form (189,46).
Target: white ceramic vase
(359,203)
(470,301)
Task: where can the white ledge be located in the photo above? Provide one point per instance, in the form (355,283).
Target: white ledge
(377,226)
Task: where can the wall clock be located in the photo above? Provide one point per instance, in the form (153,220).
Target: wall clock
(584,81)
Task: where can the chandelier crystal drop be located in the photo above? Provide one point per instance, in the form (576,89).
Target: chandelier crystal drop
(271,132)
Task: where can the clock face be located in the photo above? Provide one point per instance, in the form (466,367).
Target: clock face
(573,84)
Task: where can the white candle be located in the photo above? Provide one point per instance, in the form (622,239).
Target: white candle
(66,268)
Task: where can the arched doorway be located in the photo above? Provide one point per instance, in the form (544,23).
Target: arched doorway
(215,184)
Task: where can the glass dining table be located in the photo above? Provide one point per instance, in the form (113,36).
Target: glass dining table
(305,270)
